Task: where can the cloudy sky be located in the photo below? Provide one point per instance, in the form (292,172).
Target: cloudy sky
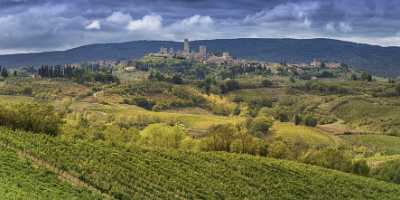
(42,25)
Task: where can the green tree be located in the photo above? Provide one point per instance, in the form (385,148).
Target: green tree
(220,137)
(4,73)
(297,119)
(279,149)
(283,117)
(266,83)
(360,167)
(310,121)
(398,89)
(162,136)
(389,171)
(366,77)
(354,77)
(260,126)
(176,79)
(35,117)
(332,158)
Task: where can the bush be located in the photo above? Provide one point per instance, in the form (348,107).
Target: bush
(261,102)
(398,89)
(39,118)
(389,171)
(332,158)
(27,91)
(279,149)
(283,117)
(260,126)
(220,138)
(366,77)
(162,136)
(297,119)
(176,79)
(228,86)
(266,83)
(233,138)
(141,102)
(249,145)
(311,121)
(360,167)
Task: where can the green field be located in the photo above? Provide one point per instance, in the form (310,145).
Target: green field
(19,179)
(138,173)
(370,115)
(191,121)
(376,161)
(387,144)
(309,135)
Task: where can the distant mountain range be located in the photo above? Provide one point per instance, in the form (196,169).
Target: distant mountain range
(375,59)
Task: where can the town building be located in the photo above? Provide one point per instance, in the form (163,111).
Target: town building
(186,47)
(203,52)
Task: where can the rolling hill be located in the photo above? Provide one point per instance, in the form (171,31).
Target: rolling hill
(375,59)
(19,179)
(138,173)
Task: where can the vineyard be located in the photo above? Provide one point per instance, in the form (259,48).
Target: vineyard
(20,180)
(138,173)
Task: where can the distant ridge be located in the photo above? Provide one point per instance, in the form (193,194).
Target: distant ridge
(375,59)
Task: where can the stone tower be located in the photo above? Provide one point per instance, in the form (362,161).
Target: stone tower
(186,47)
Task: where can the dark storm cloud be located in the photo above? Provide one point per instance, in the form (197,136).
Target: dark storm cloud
(36,25)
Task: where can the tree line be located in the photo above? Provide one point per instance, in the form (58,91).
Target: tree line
(82,73)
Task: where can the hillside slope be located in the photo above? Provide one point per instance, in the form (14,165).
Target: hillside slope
(376,59)
(138,173)
(19,179)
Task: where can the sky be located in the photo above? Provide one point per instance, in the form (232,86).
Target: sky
(44,25)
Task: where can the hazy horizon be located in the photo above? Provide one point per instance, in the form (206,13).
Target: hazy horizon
(69,48)
(48,25)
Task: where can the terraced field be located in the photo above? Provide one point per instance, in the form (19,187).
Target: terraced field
(370,115)
(376,161)
(388,144)
(138,173)
(19,179)
(309,135)
(191,121)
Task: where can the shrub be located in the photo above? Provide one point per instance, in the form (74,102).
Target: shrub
(310,121)
(366,77)
(297,119)
(162,136)
(250,145)
(389,171)
(283,117)
(237,99)
(260,126)
(141,102)
(220,138)
(176,79)
(354,77)
(398,89)
(279,149)
(190,144)
(332,158)
(35,117)
(266,83)
(27,91)
(229,85)
(360,167)
(261,102)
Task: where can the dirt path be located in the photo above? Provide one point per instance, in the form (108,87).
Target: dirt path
(61,174)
